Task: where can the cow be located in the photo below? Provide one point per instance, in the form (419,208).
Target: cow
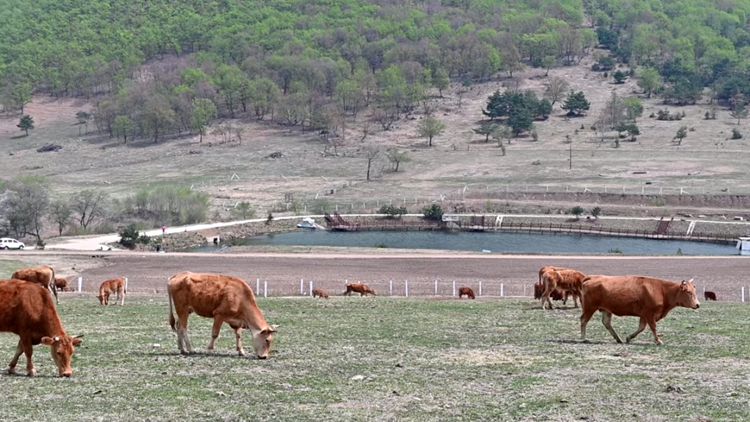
(115,285)
(320,293)
(61,284)
(28,311)
(568,281)
(648,298)
(555,295)
(709,295)
(221,297)
(466,291)
(361,288)
(549,268)
(43,275)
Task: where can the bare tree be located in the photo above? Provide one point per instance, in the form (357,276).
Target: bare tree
(61,213)
(25,207)
(397,157)
(372,151)
(555,89)
(89,205)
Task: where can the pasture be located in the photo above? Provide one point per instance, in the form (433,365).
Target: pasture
(390,359)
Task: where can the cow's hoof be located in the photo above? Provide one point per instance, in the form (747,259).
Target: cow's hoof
(11,371)
(31,373)
(241,352)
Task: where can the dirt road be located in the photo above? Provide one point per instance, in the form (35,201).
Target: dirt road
(283,272)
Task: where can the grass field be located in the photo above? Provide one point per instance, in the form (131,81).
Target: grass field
(391,359)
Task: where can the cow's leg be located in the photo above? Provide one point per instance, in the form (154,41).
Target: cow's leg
(607,321)
(215,332)
(575,300)
(14,361)
(652,325)
(585,317)
(183,342)
(238,334)
(28,350)
(122,298)
(565,298)
(546,299)
(641,327)
(51,287)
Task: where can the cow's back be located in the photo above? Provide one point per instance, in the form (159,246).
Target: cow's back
(43,275)
(26,308)
(622,295)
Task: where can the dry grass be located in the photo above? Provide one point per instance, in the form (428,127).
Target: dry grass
(391,359)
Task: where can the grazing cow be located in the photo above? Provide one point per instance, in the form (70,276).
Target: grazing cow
(320,293)
(555,295)
(115,285)
(43,275)
(648,298)
(61,284)
(360,288)
(223,298)
(709,295)
(549,268)
(466,291)
(568,281)
(27,310)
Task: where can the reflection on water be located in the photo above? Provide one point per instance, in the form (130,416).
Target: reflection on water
(519,243)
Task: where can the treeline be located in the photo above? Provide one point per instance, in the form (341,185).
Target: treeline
(690,44)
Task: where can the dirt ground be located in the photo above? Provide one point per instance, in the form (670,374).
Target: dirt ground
(148,273)
(459,161)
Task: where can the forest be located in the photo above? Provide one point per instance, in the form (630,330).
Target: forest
(164,68)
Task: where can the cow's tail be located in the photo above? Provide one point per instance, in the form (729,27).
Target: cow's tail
(51,284)
(172,322)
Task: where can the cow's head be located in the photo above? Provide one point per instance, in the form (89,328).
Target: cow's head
(62,348)
(687,296)
(101,299)
(262,342)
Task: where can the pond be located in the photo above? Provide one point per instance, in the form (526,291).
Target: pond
(507,243)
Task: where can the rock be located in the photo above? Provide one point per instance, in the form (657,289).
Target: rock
(357,378)
(48,148)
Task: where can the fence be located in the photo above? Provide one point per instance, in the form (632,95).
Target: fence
(422,288)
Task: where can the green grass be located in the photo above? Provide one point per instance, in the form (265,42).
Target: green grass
(420,359)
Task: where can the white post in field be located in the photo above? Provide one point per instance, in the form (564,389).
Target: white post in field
(265,288)
(390,288)
(80,284)
(454,287)
(480,287)
(502,290)
(301,286)
(311,288)
(257,286)
(435,287)
(406,288)
(126,283)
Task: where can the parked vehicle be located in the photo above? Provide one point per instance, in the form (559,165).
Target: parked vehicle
(8,243)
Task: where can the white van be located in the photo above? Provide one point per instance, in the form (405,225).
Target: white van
(8,243)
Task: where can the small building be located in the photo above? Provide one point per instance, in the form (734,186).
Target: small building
(743,244)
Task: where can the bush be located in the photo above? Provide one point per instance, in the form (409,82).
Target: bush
(434,212)
(130,236)
(391,211)
(577,211)
(736,134)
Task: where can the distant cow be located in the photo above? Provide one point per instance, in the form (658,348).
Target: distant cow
(115,285)
(43,275)
(27,310)
(648,298)
(223,298)
(555,295)
(467,292)
(709,295)
(360,288)
(320,293)
(61,284)
(568,281)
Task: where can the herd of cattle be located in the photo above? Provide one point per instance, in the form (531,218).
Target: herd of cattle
(27,308)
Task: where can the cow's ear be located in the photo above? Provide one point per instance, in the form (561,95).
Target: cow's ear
(77,341)
(48,341)
(268,331)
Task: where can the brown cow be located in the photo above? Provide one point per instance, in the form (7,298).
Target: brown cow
(709,295)
(223,298)
(361,288)
(555,295)
(115,285)
(43,275)
(320,293)
(568,281)
(466,291)
(28,311)
(648,298)
(549,268)
(61,284)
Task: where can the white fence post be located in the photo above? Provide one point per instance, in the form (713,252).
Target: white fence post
(390,288)
(436,289)
(265,288)
(80,284)
(743,294)
(524,290)
(126,283)
(502,290)
(480,287)
(302,286)
(257,286)
(454,288)
(311,287)
(406,288)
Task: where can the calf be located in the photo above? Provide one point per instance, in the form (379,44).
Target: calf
(568,281)
(466,291)
(43,275)
(223,298)
(648,298)
(61,284)
(320,293)
(360,288)
(28,311)
(116,285)
(709,295)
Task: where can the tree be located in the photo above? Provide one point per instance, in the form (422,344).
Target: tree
(83,120)
(620,77)
(576,104)
(739,108)
(681,134)
(122,126)
(26,123)
(17,95)
(440,80)
(486,129)
(434,212)
(61,213)
(397,157)
(596,212)
(520,120)
(243,211)
(158,115)
(372,151)
(430,127)
(26,206)
(577,211)
(649,80)
(204,111)
(500,134)
(89,205)
(555,88)
(547,63)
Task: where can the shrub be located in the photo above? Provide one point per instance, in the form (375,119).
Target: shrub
(736,134)
(434,212)
(391,211)
(577,211)
(130,236)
